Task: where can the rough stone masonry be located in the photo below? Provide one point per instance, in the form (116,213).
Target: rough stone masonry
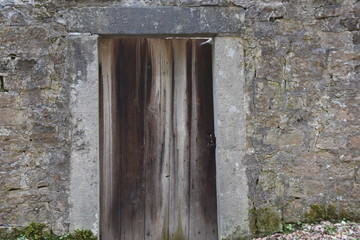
(301,86)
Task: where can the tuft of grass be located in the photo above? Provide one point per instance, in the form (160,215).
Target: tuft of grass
(35,231)
(82,235)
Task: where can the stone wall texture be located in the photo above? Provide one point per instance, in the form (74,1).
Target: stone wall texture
(302,116)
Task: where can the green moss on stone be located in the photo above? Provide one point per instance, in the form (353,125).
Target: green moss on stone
(265,221)
(349,215)
(315,213)
(331,212)
(252,221)
(268,221)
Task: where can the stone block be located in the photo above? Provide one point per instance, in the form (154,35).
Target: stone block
(295,102)
(298,79)
(344,115)
(304,169)
(270,68)
(283,138)
(356,38)
(329,142)
(267,180)
(355,142)
(34,97)
(328,11)
(293,210)
(342,190)
(12,117)
(164,20)
(295,188)
(32,40)
(352,21)
(331,40)
(290,26)
(8,100)
(344,170)
(355,193)
(314,187)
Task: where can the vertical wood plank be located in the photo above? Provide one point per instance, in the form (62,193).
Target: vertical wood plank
(108,202)
(158,138)
(179,162)
(115,165)
(130,137)
(206,112)
(203,217)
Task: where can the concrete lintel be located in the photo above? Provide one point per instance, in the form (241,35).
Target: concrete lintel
(154,20)
(82,71)
(229,109)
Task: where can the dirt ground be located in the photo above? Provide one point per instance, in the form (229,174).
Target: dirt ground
(323,230)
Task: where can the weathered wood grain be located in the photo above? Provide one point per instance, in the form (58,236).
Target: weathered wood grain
(130,136)
(106,60)
(179,162)
(203,217)
(157,145)
(158,141)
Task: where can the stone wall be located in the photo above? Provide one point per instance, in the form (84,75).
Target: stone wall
(301,92)
(34,117)
(302,76)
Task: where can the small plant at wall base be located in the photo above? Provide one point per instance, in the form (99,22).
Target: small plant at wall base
(36,231)
(291,227)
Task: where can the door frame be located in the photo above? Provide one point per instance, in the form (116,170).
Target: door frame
(230,108)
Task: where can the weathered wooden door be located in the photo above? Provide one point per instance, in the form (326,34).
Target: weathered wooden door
(157,139)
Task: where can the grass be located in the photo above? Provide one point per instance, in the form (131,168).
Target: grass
(35,231)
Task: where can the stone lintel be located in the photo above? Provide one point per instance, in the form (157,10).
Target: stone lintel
(154,20)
